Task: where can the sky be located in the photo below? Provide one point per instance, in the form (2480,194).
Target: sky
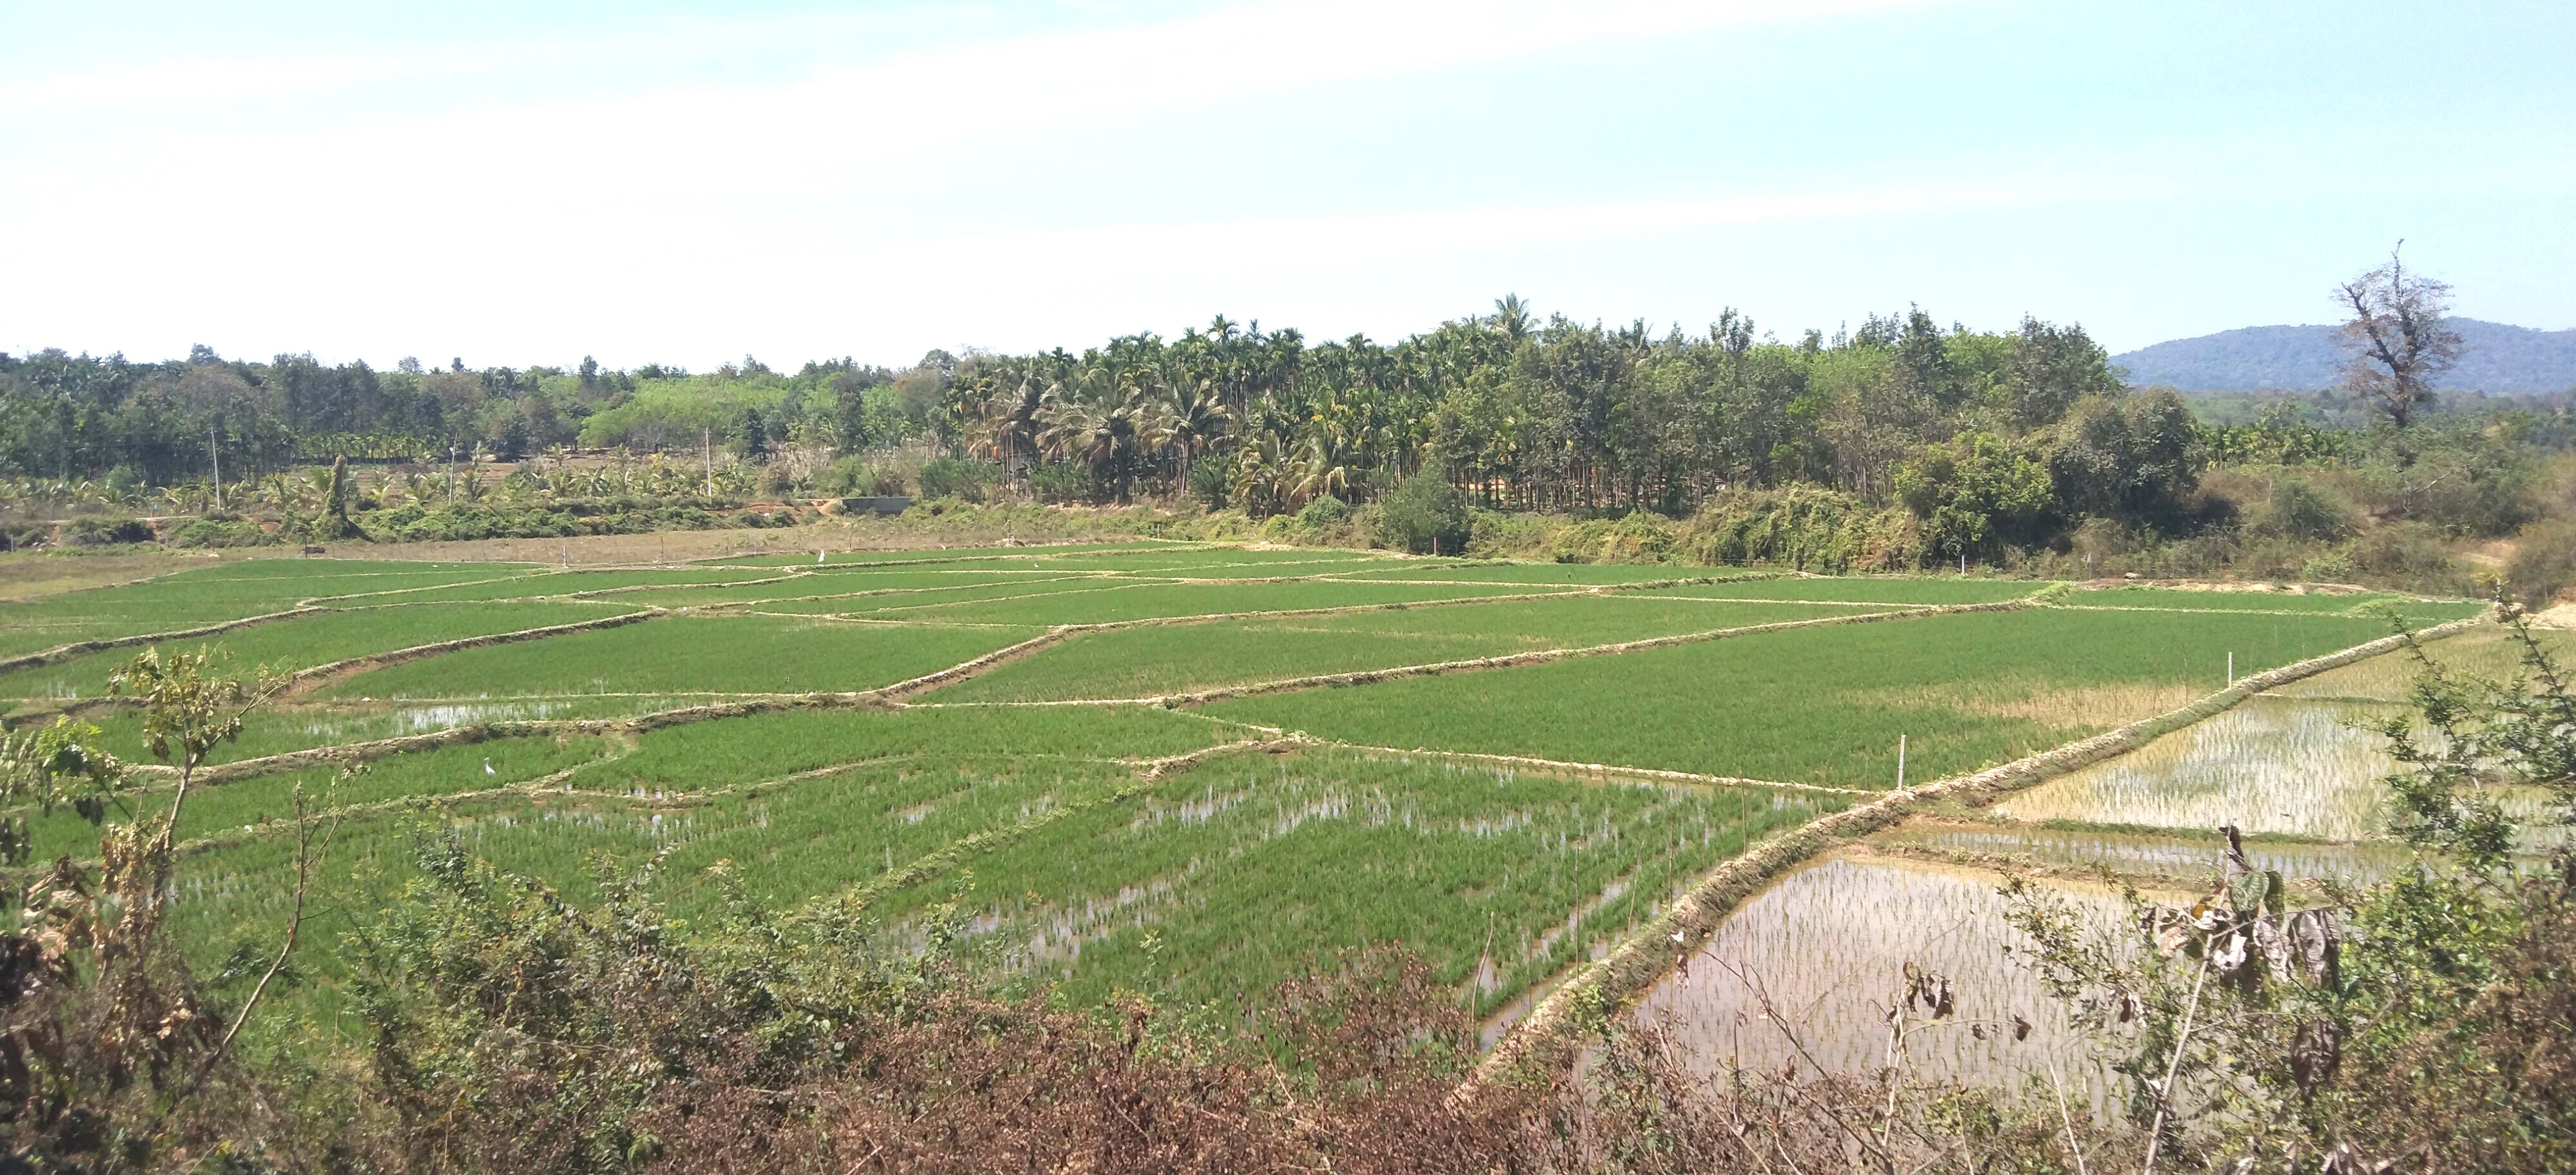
(659,181)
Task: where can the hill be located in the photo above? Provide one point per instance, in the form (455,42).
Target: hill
(2494,358)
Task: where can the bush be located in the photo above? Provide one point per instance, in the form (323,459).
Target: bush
(953,477)
(1064,482)
(1425,513)
(2544,561)
(1324,511)
(100,532)
(220,530)
(2297,509)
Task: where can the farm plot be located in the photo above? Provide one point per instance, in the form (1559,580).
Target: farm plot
(247,806)
(569,583)
(1825,705)
(1589,574)
(319,638)
(840,585)
(931,555)
(1152,601)
(1183,852)
(212,595)
(2414,610)
(1873,589)
(1225,879)
(690,654)
(1159,660)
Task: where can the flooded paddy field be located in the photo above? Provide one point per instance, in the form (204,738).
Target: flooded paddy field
(1820,956)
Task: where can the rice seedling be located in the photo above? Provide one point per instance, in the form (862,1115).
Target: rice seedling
(1153,601)
(1037,586)
(1228,877)
(305,641)
(845,586)
(1828,944)
(929,555)
(1872,589)
(566,583)
(2182,853)
(2268,765)
(211,595)
(250,804)
(2486,651)
(1819,705)
(2419,611)
(690,654)
(1585,574)
(1157,660)
(722,753)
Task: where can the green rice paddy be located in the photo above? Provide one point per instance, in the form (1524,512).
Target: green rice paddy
(1198,853)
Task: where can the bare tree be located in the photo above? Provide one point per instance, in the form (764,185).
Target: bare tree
(2397,338)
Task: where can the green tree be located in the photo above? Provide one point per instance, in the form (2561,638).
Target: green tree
(1973,491)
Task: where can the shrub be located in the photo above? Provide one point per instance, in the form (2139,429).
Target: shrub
(2544,561)
(100,532)
(1324,511)
(2298,509)
(953,477)
(216,530)
(1425,513)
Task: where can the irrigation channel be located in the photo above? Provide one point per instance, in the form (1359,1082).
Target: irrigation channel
(1803,970)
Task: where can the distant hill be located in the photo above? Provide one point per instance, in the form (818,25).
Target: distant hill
(2493,358)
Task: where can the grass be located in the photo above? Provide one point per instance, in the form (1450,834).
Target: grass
(710,654)
(306,641)
(1158,660)
(1824,705)
(295,727)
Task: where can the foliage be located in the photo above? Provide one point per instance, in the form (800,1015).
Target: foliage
(2422,1019)
(100,532)
(1425,513)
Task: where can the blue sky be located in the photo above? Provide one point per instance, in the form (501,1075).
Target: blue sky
(519,184)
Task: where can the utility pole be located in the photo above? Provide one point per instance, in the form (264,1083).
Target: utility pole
(215,456)
(1900,762)
(707,449)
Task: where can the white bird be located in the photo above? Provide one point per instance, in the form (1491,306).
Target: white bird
(487,768)
(818,556)
(1677,936)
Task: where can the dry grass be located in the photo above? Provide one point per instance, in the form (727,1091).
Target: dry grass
(26,575)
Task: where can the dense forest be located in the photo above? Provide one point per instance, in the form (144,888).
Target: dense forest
(1901,443)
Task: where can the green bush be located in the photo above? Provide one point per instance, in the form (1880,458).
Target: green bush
(101,532)
(1324,511)
(219,530)
(2298,509)
(1425,513)
(954,477)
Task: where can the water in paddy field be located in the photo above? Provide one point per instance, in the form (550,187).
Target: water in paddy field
(2147,853)
(1828,944)
(2290,765)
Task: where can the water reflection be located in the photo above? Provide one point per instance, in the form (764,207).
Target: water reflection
(1828,942)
